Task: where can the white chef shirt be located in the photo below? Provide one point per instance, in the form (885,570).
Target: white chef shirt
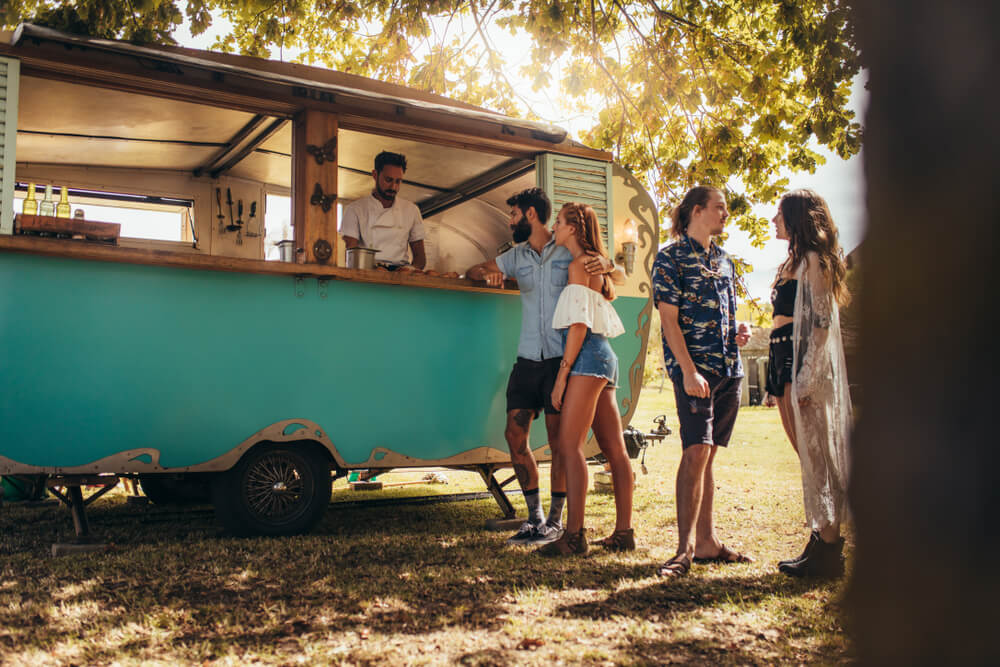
(389,230)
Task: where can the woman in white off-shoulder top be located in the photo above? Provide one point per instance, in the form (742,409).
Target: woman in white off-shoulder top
(584,391)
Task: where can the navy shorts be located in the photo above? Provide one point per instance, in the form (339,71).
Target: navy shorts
(708,421)
(530,385)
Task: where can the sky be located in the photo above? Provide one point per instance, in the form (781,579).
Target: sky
(840,182)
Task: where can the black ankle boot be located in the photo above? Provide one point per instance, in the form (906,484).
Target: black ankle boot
(813,538)
(824,560)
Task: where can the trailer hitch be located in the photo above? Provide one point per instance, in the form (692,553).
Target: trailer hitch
(636,442)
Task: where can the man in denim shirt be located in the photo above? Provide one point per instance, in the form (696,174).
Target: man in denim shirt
(695,293)
(540,268)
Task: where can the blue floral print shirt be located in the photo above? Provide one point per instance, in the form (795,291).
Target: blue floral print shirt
(702,286)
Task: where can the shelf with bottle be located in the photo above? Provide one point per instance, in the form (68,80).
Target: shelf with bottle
(67,228)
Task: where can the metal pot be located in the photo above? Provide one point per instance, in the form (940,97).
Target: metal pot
(361,258)
(286,250)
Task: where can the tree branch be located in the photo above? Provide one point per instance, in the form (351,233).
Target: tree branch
(497,73)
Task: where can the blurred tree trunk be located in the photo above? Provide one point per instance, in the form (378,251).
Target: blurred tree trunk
(925,492)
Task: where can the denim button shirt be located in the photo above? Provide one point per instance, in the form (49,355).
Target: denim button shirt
(541,279)
(706,305)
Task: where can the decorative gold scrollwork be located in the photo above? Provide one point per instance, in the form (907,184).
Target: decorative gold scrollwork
(325,153)
(323,200)
(642,210)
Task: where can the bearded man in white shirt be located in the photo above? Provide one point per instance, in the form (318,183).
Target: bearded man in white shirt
(390,224)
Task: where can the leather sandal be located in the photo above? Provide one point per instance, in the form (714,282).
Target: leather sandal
(620,540)
(725,556)
(677,566)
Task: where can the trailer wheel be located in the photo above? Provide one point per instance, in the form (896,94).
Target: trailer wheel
(166,490)
(274,490)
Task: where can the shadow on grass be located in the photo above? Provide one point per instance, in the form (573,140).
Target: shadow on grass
(688,593)
(407,571)
(410,570)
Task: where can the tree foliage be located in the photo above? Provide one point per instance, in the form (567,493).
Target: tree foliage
(684,91)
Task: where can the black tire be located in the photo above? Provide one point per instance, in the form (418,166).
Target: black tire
(274,490)
(191,489)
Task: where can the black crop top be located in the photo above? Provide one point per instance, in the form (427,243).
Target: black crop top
(783,297)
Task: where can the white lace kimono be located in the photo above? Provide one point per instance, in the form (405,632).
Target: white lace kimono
(819,373)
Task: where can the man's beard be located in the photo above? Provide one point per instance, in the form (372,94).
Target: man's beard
(522,230)
(388,195)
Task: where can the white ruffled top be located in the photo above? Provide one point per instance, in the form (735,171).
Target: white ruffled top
(578,304)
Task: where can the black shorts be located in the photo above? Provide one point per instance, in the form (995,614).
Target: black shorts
(779,360)
(708,421)
(530,385)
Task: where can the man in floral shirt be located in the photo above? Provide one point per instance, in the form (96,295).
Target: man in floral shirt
(694,291)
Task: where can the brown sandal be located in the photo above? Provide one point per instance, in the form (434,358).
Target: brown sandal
(726,556)
(677,566)
(570,544)
(620,540)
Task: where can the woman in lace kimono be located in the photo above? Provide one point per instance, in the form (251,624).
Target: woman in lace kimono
(584,390)
(807,373)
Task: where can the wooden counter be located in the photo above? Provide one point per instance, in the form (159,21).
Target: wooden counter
(77,249)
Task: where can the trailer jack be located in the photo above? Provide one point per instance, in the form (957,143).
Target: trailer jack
(509,519)
(71,495)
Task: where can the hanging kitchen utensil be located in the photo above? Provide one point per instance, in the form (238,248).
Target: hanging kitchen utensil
(253,213)
(218,200)
(232,227)
(239,221)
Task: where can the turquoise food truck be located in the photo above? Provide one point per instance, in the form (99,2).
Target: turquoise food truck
(175,342)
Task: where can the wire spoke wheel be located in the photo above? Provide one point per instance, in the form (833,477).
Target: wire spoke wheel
(274,490)
(277,487)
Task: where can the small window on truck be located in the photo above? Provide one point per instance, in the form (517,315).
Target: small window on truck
(147,217)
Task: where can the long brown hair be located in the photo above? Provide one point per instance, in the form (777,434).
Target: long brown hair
(587,231)
(810,227)
(681,215)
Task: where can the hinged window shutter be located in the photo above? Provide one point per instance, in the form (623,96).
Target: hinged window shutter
(574,179)
(9,75)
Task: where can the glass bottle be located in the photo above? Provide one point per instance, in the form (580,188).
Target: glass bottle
(30,204)
(62,209)
(47,206)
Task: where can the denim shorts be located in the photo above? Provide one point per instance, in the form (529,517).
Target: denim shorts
(596,358)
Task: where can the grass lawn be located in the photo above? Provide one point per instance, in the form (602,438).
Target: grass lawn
(426,584)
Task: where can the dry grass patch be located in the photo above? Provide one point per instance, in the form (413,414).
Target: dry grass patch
(426,584)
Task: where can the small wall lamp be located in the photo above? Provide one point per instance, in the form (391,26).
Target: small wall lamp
(630,237)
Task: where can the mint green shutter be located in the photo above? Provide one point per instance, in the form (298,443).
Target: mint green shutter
(574,179)
(9,74)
